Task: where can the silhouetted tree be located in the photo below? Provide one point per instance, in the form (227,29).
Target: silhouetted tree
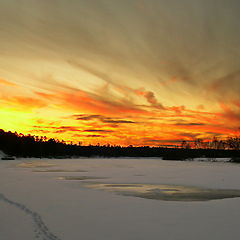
(21,145)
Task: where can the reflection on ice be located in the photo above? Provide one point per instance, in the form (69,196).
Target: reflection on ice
(79,178)
(167,192)
(35,164)
(57,170)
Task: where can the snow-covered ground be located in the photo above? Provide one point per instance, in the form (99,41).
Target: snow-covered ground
(51,199)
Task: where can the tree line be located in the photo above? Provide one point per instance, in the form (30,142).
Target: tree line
(20,145)
(230,143)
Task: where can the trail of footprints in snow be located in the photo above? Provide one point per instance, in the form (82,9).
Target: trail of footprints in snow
(41,231)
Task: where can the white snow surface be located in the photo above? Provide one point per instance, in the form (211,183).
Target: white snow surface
(36,204)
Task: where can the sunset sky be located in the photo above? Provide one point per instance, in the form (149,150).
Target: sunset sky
(140,72)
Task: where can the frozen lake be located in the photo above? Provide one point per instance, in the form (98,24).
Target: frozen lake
(133,199)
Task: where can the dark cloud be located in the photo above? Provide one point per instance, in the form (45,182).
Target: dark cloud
(109,120)
(88,136)
(63,129)
(150,97)
(60,129)
(97,130)
(88,117)
(69,128)
(189,124)
(101,118)
(163,140)
(94,136)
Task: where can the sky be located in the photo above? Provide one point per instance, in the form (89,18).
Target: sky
(129,72)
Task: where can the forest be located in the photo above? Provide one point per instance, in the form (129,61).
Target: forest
(20,145)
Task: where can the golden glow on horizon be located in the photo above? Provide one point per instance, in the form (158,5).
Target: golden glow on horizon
(120,72)
(12,120)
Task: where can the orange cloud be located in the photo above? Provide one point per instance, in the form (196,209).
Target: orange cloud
(177,109)
(236,103)
(229,113)
(5,82)
(105,119)
(26,102)
(45,95)
(200,107)
(92,103)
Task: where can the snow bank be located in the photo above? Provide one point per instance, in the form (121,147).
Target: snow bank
(2,154)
